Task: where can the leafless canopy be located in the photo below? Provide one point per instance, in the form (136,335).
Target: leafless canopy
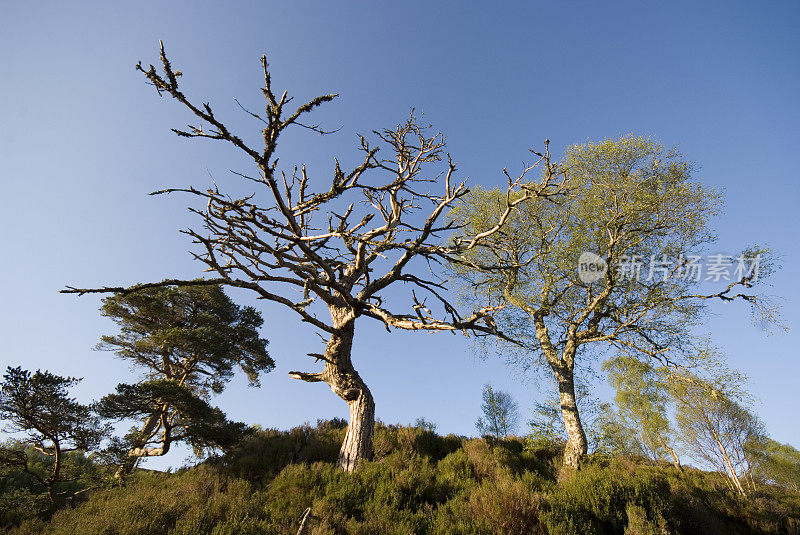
(345,244)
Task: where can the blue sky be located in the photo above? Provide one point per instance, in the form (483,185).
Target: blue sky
(83,140)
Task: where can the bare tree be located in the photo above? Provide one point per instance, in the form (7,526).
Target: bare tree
(342,246)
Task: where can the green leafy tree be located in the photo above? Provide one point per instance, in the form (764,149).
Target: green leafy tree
(500,413)
(642,398)
(53,424)
(187,343)
(774,463)
(615,436)
(626,201)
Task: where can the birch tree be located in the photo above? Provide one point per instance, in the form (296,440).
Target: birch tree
(774,463)
(636,221)
(642,398)
(333,247)
(715,427)
(500,413)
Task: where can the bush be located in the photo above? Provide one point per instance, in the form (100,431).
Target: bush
(597,499)
(188,502)
(419,483)
(263,454)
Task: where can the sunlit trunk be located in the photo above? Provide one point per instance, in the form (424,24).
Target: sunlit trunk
(137,450)
(726,459)
(577,445)
(346,383)
(357,443)
(676,461)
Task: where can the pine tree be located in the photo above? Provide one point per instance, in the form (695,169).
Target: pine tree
(54,424)
(187,343)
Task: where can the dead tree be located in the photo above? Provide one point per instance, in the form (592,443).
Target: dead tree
(340,248)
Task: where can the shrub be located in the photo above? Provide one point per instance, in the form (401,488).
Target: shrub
(423,484)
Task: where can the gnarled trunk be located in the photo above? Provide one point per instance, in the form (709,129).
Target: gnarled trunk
(576,446)
(357,443)
(346,383)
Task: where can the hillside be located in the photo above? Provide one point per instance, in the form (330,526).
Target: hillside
(420,482)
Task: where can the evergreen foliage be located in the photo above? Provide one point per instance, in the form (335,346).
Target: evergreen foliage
(186,343)
(38,406)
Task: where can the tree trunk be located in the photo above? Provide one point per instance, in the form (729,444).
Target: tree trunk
(346,383)
(55,475)
(304,522)
(576,446)
(729,466)
(148,430)
(357,443)
(676,461)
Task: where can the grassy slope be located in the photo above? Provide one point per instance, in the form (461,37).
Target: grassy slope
(420,483)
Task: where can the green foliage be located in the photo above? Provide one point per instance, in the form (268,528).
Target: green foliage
(642,397)
(38,404)
(189,502)
(416,440)
(264,453)
(773,462)
(56,428)
(598,499)
(625,197)
(195,422)
(614,435)
(423,484)
(626,202)
(186,341)
(714,425)
(193,334)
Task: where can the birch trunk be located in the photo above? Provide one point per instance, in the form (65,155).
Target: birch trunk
(726,459)
(577,445)
(676,461)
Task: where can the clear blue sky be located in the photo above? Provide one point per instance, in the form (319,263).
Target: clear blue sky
(83,140)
